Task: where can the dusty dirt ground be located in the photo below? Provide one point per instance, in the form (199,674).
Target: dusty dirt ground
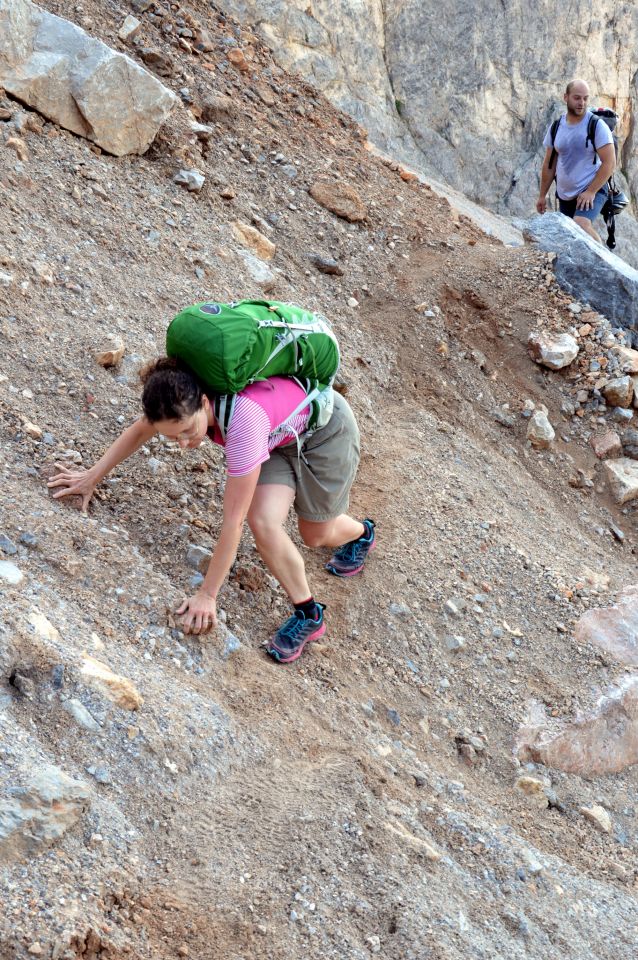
(326,809)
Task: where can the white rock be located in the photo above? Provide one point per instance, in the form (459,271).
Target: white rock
(129,28)
(353,302)
(622,475)
(81,715)
(192,180)
(598,816)
(553,351)
(10,573)
(77,81)
(540,432)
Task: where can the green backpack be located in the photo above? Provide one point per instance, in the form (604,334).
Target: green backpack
(232,345)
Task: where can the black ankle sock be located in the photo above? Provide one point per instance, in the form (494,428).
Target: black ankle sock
(309,608)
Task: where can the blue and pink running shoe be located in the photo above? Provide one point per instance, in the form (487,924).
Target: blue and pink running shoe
(350,558)
(291,638)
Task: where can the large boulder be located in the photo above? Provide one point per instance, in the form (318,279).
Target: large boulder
(603,740)
(587,270)
(55,67)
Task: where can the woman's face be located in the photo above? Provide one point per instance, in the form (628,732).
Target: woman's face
(189,431)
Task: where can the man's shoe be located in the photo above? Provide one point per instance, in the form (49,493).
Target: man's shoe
(350,558)
(288,643)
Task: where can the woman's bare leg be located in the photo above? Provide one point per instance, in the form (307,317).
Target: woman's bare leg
(331,533)
(266,517)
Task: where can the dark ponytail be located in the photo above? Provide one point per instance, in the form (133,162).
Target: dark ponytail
(171,390)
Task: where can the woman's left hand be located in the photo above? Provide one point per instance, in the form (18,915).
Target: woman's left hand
(199,613)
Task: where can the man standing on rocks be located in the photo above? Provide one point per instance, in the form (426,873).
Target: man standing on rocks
(582,168)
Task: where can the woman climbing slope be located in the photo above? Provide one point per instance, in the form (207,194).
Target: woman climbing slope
(271,467)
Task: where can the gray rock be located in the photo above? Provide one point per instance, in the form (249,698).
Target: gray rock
(198,557)
(77,81)
(7,546)
(191,180)
(588,270)
(81,715)
(326,265)
(630,444)
(40,812)
(540,432)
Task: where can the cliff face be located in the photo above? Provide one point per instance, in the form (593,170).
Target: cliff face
(467,88)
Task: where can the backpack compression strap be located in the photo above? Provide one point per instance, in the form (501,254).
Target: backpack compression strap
(223,407)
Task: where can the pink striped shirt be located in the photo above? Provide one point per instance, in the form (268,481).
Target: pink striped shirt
(259,410)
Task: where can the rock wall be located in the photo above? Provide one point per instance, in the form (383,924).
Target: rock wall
(471,86)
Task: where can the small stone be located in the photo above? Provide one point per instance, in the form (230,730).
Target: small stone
(198,557)
(606,445)
(182,951)
(238,60)
(111,356)
(534,789)
(191,180)
(202,131)
(120,690)
(622,414)
(393,717)
(32,430)
(504,417)
(256,241)
(7,546)
(129,29)
(353,302)
(327,265)
(622,476)
(455,643)
(10,573)
(203,41)
(218,107)
(630,444)
(540,432)
(19,146)
(340,199)
(627,359)
(35,950)
(81,715)
(598,816)
(619,392)
(551,351)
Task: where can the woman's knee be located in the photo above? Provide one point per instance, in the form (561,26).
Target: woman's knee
(263,525)
(314,534)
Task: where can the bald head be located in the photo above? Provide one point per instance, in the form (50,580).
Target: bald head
(582,86)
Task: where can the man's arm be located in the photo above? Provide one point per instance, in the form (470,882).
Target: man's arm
(607,166)
(547,178)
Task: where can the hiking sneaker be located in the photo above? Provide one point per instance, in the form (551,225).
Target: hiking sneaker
(288,643)
(350,558)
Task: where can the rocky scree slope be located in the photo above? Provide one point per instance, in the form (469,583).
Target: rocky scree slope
(465,92)
(172,796)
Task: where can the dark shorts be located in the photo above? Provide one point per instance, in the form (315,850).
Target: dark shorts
(568,207)
(322,472)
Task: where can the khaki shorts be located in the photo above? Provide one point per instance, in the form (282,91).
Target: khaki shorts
(322,473)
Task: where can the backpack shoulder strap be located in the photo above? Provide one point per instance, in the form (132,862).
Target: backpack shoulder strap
(553,130)
(591,134)
(223,408)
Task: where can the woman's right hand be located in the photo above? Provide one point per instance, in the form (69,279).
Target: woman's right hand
(73,483)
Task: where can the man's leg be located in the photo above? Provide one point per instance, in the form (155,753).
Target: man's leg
(588,227)
(266,517)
